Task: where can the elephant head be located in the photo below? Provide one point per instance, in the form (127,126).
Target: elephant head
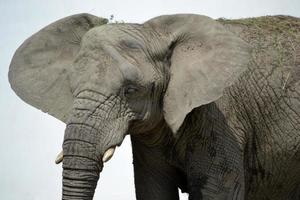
(108,80)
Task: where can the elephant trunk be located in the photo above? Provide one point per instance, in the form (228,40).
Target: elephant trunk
(79,183)
(81,166)
(90,136)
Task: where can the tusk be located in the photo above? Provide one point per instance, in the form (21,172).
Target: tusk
(59,158)
(108,154)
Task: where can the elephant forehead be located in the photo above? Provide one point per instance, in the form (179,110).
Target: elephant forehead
(114,33)
(102,47)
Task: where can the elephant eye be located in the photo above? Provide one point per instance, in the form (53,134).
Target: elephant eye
(130,90)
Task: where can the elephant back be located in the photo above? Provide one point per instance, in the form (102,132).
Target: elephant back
(275,42)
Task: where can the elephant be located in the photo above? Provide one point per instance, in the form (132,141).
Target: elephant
(212,106)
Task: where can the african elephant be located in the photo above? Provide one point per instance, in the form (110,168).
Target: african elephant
(212,106)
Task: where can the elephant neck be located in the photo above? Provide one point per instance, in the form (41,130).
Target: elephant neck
(161,134)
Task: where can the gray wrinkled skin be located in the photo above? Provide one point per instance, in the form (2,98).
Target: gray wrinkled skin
(212,107)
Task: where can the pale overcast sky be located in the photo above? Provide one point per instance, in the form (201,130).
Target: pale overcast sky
(31,139)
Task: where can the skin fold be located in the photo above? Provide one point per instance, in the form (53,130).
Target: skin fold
(212,106)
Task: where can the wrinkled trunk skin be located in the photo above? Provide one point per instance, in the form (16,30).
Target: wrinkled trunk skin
(92,129)
(81,167)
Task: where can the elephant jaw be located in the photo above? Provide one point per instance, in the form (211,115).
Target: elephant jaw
(106,156)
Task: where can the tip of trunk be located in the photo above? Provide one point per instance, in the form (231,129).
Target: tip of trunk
(79,182)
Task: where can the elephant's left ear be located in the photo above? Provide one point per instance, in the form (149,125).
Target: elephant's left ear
(38,72)
(206,58)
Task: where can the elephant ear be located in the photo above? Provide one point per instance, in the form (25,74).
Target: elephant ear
(205,59)
(38,72)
